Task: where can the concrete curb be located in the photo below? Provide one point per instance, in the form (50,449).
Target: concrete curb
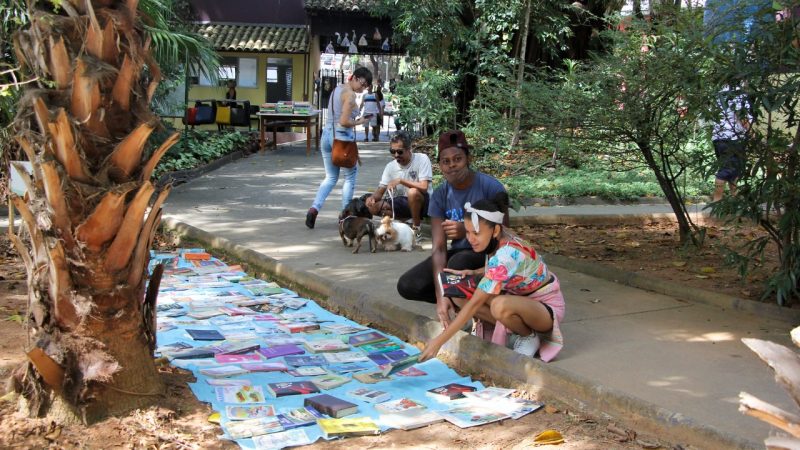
(471,355)
(602,219)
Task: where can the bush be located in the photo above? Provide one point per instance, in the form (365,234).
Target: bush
(196,148)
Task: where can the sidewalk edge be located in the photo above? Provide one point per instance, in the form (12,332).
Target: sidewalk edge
(471,355)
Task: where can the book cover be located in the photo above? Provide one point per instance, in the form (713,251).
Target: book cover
(455,285)
(305,360)
(298,316)
(201,314)
(356,426)
(228,382)
(276,351)
(275,366)
(466,415)
(367,338)
(350,367)
(371,377)
(330,405)
(388,357)
(236,348)
(285,388)
(235,359)
(411,372)
(401,364)
(237,311)
(259,290)
(240,394)
(222,372)
(450,391)
(344,357)
(329,381)
(325,345)
(399,406)
(249,412)
(411,420)
(490,393)
(189,353)
(196,256)
(370,395)
(307,371)
(381,347)
(299,417)
(282,439)
(242,429)
(514,407)
(298,327)
(205,335)
(295,303)
(341,328)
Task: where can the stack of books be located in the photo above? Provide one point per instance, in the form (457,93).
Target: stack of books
(302,107)
(286,107)
(268,107)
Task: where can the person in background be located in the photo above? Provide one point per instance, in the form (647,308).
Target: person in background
(381,107)
(461,184)
(341,121)
(231,92)
(517,291)
(405,186)
(371,109)
(728,138)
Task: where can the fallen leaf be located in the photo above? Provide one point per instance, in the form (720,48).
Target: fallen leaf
(707,269)
(634,244)
(678,263)
(550,409)
(702,277)
(548,437)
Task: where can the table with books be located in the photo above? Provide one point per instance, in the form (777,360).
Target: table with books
(279,370)
(272,116)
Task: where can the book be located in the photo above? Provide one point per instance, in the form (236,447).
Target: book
(240,394)
(451,391)
(329,381)
(468,414)
(341,328)
(276,351)
(275,366)
(235,359)
(259,290)
(411,372)
(237,311)
(189,353)
(350,367)
(367,338)
(249,412)
(325,345)
(242,429)
(399,406)
(372,377)
(236,347)
(410,421)
(285,388)
(396,366)
(196,256)
(356,426)
(388,357)
(305,360)
(298,327)
(330,405)
(381,347)
(370,395)
(344,357)
(299,417)
(205,335)
(205,313)
(228,382)
(222,371)
(455,285)
(295,303)
(490,393)
(282,439)
(307,371)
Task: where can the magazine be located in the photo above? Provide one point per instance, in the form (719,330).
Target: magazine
(399,406)
(242,429)
(467,414)
(249,412)
(357,426)
(282,439)
(240,394)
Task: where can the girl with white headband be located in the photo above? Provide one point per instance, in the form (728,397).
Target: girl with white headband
(517,292)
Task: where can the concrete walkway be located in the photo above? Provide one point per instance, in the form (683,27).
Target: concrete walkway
(684,358)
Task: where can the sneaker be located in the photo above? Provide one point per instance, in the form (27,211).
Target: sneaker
(525,345)
(311,217)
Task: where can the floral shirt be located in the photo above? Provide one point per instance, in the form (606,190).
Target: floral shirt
(515,268)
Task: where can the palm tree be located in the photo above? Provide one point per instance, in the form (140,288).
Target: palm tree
(88,221)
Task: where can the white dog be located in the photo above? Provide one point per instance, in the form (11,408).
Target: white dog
(394,235)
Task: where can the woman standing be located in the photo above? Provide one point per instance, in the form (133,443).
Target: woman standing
(517,292)
(342,113)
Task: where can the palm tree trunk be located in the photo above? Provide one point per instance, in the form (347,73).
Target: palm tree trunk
(86,229)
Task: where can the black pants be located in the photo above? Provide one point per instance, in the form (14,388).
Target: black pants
(417,283)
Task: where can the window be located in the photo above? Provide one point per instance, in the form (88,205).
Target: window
(242,71)
(227,70)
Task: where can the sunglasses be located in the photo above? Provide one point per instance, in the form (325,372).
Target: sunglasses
(397,152)
(363,83)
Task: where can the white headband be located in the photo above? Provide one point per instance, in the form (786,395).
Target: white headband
(494,217)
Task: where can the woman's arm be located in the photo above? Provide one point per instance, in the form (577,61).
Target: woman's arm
(438,262)
(479,298)
(348,103)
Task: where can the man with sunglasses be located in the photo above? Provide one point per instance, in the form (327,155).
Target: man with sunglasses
(405,185)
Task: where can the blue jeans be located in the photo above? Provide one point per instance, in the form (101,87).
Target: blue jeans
(332,175)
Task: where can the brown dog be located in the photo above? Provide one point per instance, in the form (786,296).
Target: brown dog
(352,229)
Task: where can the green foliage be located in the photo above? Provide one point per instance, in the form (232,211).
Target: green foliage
(196,148)
(426,99)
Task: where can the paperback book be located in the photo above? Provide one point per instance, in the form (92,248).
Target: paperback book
(329,381)
(455,285)
(298,327)
(371,377)
(325,345)
(341,328)
(410,420)
(381,347)
(276,351)
(222,371)
(228,382)
(370,395)
(388,357)
(448,392)
(205,335)
(356,426)
(242,429)
(249,412)
(343,357)
(367,338)
(275,366)
(399,406)
(331,406)
(240,394)
(282,439)
(299,417)
(399,365)
(306,360)
(236,359)
(350,367)
(490,393)
(469,414)
(285,388)
(307,371)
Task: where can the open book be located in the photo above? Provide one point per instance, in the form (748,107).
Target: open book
(455,285)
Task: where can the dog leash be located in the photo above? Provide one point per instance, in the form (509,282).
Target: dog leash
(391,197)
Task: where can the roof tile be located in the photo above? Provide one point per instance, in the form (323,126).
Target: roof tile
(255,38)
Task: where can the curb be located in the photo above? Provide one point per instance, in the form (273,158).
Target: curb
(472,355)
(602,219)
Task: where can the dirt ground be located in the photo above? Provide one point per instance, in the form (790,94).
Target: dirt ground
(179,420)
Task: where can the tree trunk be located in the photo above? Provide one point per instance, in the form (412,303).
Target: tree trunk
(521,74)
(86,229)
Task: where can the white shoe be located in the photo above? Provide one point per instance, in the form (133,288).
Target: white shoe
(526,345)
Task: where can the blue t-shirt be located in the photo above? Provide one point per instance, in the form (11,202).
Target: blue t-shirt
(448,202)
